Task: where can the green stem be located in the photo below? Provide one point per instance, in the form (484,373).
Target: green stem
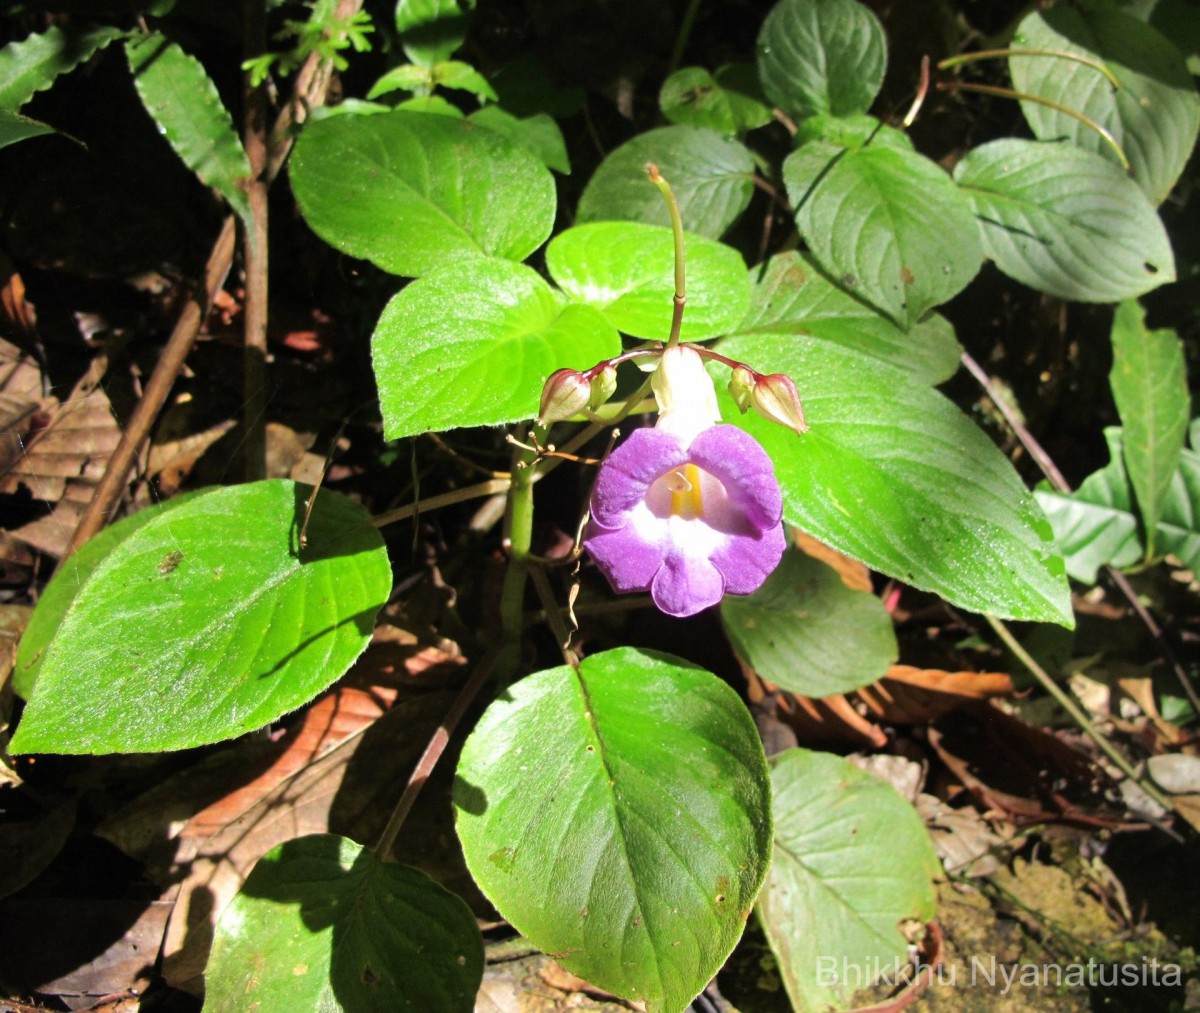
(489,488)
(1087,121)
(520,539)
(677,229)
(1077,715)
(1062,54)
(685,32)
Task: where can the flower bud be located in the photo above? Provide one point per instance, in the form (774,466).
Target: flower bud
(775,397)
(604,385)
(741,386)
(566,393)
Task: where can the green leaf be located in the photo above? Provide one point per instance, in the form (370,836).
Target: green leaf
(1065,221)
(14,128)
(34,63)
(180,98)
(406,77)
(430,30)
(1177,21)
(319,924)
(710,175)
(619,817)
(821,56)
(852,864)
(410,192)
(1154,115)
(730,101)
(433,105)
(1178,532)
(1095,526)
(808,633)
(65,585)
(538,133)
(1149,384)
(791,296)
(207,622)
(892,473)
(463,77)
(888,223)
(472,345)
(627,271)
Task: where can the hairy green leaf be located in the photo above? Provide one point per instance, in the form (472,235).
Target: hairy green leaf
(729,101)
(209,621)
(619,817)
(472,345)
(711,176)
(538,133)
(411,192)
(894,474)
(627,271)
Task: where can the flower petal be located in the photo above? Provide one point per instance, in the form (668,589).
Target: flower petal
(686,584)
(629,556)
(746,561)
(735,459)
(630,469)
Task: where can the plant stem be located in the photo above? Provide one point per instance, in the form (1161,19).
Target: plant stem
(519,540)
(1087,121)
(1062,54)
(477,491)
(685,32)
(1077,715)
(677,229)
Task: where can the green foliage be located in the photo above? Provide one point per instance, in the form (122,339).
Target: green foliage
(729,101)
(34,64)
(177,93)
(15,127)
(1149,384)
(624,270)
(619,817)
(808,633)
(1065,221)
(430,30)
(325,32)
(537,133)
(886,222)
(1154,115)
(825,900)
(472,346)
(410,191)
(710,174)
(349,931)
(880,478)
(207,621)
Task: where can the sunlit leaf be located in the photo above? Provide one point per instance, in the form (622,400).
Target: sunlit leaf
(34,63)
(729,101)
(473,343)
(209,621)
(539,133)
(619,818)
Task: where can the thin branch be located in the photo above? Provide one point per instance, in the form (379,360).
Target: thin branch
(1062,54)
(254,254)
(481,489)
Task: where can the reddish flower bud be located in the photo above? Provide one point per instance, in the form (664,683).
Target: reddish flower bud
(604,385)
(566,393)
(775,397)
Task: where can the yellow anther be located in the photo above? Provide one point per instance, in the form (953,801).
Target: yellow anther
(686,501)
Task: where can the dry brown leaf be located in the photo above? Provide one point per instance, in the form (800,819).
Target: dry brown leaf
(1168,736)
(855,575)
(913,696)
(171,462)
(20,399)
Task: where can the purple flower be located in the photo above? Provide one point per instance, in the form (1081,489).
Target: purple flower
(687,518)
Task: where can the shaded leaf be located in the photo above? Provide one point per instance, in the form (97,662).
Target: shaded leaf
(888,223)
(808,633)
(207,622)
(792,296)
(322,924)
(538,133)
(1154,115)
(472,345)
(821,56)
(627,271)
(710,175)
(34,63)
(177,93)
(619,817)
(1065,221)
(1149,384)
(729,101)
(411,192)
(833,912)
(893,474)
(14,128)
(430,30)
